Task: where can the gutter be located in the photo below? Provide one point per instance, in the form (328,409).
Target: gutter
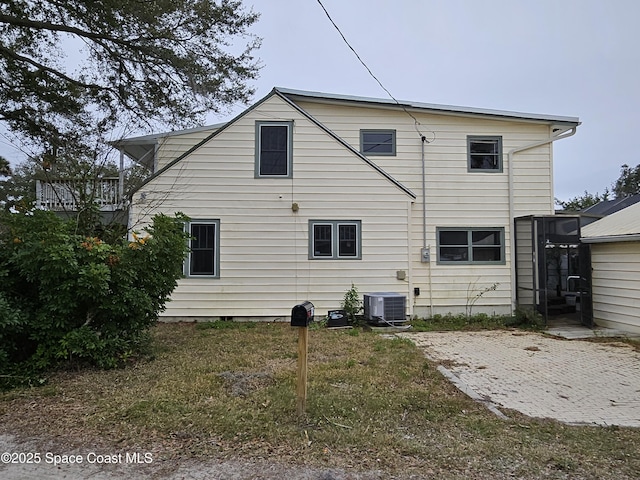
(564,133)
(634,237)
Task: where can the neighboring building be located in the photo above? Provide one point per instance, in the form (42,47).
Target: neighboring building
(615,264)
(305,193)
(66,197)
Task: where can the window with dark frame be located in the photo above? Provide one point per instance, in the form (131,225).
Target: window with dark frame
(203,245)
(378,142)
(273,149)
(334,239)
(471,245)
(484,153)
(347,240)
(322,240)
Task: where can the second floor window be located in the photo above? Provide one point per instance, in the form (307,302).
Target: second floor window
(378,142)
(273,149)
(484,154)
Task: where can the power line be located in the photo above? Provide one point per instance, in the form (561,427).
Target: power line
(415,120)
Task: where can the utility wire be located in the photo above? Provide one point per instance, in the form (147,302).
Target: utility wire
(415,120)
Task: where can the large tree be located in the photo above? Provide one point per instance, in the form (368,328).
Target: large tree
(583,201)
(5,167)
(628,182)
(69,68)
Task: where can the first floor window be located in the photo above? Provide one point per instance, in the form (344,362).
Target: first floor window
(471,245)
(335,239)
(204,248)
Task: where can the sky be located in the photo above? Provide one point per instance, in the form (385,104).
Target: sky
(577,58)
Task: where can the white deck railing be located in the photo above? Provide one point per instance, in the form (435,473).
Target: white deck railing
(63,195)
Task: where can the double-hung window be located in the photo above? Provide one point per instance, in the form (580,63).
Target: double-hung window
(274,147)
(484,154)
(204,249)
(471,245)
(378,142)
(335,239)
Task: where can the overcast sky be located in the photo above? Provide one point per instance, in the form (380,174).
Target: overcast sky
(576,58)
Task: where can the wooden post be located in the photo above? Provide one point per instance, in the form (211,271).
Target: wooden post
(301,388)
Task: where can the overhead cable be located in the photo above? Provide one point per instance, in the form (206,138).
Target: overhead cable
(415,120)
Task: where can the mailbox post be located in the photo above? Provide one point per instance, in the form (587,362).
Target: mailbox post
(301,317)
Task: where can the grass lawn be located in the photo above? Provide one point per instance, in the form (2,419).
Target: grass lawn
(228,391)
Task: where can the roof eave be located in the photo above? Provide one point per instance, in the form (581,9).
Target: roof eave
(561,121)
(634,237)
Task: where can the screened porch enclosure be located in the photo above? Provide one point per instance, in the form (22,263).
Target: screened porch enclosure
(553,274)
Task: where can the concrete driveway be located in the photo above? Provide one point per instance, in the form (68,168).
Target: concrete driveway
(573,381)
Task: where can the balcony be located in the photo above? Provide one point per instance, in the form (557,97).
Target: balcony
(64,195)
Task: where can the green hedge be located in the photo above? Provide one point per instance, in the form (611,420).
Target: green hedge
(67,297)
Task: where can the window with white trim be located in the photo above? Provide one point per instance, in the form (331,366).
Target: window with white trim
(274,147)
(335,239)
(378,142)
(204,249)
(470,245)
(484,154)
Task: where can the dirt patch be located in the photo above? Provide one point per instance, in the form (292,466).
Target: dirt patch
(241,384)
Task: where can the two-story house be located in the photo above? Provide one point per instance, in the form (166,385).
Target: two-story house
(305,193)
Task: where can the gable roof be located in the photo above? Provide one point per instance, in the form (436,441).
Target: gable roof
(344,144)
(140,148)
(220,128)
(621,226)
(429,107)
(607,207)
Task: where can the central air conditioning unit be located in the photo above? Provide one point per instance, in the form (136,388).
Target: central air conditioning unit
(384,308)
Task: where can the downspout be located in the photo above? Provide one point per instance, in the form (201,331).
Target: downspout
(424,195)
(425,256)
(565,133)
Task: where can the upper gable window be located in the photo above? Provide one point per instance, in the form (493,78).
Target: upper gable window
(485,154)
(274,147)
(378,142)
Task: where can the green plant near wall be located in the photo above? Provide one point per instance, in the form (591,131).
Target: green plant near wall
(351,304)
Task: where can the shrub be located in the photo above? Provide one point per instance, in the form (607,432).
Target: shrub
(65,296)
(352,304)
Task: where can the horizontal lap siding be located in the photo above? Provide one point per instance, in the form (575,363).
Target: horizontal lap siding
(264,245)
(455,197)
(616,284)
(171,147)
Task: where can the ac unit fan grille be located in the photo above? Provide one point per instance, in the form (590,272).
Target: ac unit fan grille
(385,308)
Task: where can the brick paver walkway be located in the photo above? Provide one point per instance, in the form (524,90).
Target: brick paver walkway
(571,381)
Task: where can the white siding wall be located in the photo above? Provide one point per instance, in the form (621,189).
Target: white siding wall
(455,197)
(264,245)
(172,146)
(616,285)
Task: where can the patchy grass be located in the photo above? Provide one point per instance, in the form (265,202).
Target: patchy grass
(439,323)
(522,319)
(228,391)
(621,341)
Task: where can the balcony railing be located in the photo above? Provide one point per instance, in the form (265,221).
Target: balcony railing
(64,195)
